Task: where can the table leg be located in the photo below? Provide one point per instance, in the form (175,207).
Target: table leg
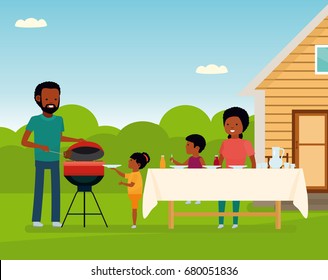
(278,214)
(171,214)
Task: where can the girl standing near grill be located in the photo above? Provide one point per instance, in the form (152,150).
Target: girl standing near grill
(136,162)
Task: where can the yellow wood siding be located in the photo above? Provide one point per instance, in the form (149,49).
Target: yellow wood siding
(296,101)
(278,118)
(303,49)
(323,24)
(293,85)
(295,67)
(278,135)
(319,32)
(286,144)
(296,75)
(273,126)
(287,110)
(315,41)
(285,84)
(300,58)
(302,93)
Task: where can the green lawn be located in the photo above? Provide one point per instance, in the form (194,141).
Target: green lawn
(192,238)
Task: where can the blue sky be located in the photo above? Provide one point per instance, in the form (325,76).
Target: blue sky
(133,60)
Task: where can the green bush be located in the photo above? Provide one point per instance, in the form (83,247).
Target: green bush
(164,139)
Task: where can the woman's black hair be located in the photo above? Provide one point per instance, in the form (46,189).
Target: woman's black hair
(197,140)
(141,158)
(237,112)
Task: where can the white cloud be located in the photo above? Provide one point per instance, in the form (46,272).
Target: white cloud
(212,69)
(31,23)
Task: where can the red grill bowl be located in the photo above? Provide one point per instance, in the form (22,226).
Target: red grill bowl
(84,168)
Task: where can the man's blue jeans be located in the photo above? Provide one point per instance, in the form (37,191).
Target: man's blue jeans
(40,166)
(235,208)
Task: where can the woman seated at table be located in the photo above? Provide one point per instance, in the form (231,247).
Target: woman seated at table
(235,150)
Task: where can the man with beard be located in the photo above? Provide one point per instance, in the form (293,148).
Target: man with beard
(47,130)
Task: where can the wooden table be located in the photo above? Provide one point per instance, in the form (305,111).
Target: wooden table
(276,214)
(225,184)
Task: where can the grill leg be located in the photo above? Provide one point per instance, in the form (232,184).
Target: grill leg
(99,208)
(69,209)
(83,209)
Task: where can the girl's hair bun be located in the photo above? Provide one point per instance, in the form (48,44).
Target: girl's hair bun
(141,158)
(146,156)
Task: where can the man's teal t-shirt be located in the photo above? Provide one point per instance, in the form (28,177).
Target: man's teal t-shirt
(47,132)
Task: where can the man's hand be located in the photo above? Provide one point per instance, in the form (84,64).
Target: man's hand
(44,148)
(68,154)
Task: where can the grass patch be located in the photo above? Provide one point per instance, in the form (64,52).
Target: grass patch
(192,238)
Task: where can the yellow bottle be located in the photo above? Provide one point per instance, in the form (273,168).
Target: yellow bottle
(162,163)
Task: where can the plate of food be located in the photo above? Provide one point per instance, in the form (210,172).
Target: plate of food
(178,166)
(112,165)
(212,166)
(237,166)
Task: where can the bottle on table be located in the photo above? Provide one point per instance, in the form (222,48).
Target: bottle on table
(216,160)
(162,163)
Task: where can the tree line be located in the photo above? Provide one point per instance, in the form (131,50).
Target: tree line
(165,138)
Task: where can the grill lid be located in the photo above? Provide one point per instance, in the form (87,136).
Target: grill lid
(85,151)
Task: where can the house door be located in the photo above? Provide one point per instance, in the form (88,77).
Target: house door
(310,147)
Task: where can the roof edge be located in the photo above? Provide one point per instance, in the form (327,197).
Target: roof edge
(250,89)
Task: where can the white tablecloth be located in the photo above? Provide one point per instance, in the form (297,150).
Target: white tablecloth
(225,184)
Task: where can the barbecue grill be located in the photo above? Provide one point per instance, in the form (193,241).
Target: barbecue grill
(84,170)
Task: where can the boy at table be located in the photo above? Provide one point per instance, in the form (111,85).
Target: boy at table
(194,146)
(235,150)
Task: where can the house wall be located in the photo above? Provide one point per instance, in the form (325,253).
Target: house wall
(293,85)
(260,126)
